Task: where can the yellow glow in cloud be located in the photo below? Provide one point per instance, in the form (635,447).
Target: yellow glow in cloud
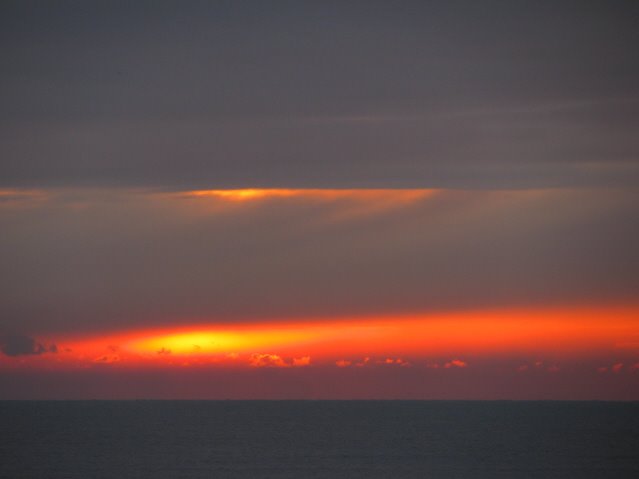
(404,195)
(207,342)
(242,194)
(342,204)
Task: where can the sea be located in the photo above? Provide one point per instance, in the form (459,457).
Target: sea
(319,439)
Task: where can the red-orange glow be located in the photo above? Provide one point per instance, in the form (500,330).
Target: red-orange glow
(574,332)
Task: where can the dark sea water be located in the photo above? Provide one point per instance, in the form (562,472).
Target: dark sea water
(318,439)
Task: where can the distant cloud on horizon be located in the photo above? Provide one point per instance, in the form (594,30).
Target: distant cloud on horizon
(18,345)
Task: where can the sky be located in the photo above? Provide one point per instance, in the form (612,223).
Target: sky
(319,200)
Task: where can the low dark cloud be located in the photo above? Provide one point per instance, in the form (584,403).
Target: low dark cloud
(18,345)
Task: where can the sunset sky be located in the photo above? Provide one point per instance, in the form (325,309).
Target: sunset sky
(319,200)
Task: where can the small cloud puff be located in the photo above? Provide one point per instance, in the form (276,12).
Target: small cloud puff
(456,363)
(616,368)
(266,360)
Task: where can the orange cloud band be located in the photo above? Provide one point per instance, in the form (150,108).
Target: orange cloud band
(570,332)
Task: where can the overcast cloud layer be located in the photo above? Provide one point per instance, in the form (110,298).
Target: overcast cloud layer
(86,260)
(325,94)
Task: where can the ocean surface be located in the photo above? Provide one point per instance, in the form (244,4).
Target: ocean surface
(318,439)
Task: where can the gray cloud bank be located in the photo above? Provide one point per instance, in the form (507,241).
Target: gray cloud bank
(101,259)
(18,345)
(324,94)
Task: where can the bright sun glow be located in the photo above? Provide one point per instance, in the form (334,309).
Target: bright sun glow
(208,342)
(243,194)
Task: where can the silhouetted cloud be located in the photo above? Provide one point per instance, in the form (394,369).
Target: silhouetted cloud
(17,345)
(107,359)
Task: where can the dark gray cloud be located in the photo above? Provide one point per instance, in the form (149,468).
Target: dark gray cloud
(325,94)
(105,259)
(18,345)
